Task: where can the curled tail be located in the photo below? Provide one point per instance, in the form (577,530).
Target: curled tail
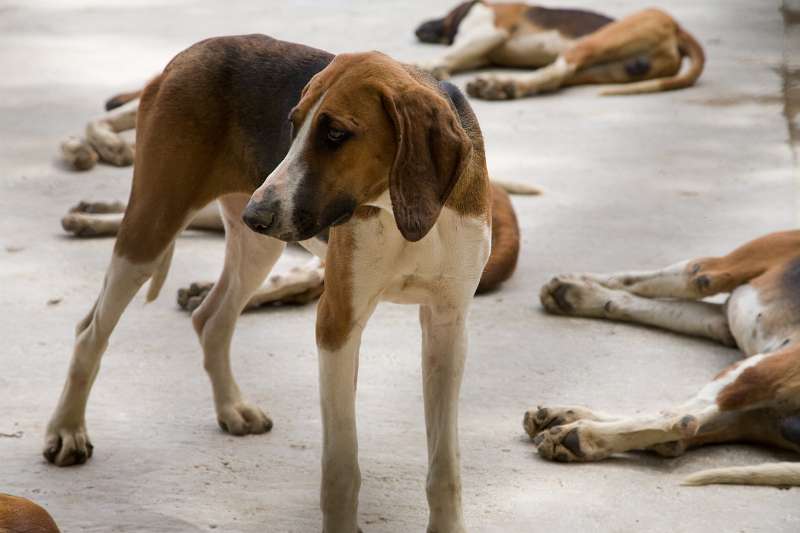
(688,46)
(772,474)
(505,242)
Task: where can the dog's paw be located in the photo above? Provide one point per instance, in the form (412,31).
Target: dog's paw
(241,418)
(114,150)
(492,88)
(78,154)
(97,208)
(67,447)
(573,295)
(569,443)
(190,298)
(543,418)
(80,225)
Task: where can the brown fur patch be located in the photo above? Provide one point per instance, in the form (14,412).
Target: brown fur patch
(19,515)
(723,274)
(505,243)
(335,309)
(773,381)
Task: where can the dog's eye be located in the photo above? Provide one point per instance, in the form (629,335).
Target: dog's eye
(336,136)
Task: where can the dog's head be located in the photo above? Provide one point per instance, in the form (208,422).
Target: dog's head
(363,125)
(444,30)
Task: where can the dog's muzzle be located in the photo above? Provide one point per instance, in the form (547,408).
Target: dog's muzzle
(262,217)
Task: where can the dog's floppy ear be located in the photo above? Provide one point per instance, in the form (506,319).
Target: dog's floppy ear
(432,152)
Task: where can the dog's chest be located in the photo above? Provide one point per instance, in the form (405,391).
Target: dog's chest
(445,265)
(527,49)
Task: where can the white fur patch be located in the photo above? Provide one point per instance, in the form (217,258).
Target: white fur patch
(285,179)
(479,20)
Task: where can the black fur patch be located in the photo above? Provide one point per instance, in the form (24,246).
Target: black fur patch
(790,429)
(569,22)
(638,67)
(258,80)
(791,282)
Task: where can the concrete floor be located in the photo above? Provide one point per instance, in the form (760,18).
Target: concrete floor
(633,182)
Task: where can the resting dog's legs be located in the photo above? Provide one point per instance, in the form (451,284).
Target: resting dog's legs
(644,42)
(444,344)
(691,280)
(102,219)
(249,257)
(742,402)
(581,296)
(476,37)
(102,134)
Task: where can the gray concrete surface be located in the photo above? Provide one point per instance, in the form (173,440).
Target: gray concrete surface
(629,182)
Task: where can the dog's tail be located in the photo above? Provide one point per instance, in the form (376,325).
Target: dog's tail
(121,99)
(688,46)
(771,474)
(505,242)
(517,188)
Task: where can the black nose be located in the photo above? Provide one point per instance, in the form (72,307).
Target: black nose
(258,220)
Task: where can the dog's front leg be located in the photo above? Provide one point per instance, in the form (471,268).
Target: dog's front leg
(444,345)
(467,53)
(338,342)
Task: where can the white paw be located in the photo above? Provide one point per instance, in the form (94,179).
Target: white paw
(67,446)
(241,418)
(573,295)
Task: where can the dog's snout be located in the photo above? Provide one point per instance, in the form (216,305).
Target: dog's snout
(258,218)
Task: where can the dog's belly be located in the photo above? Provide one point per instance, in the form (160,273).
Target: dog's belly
(530,50)
(758,327)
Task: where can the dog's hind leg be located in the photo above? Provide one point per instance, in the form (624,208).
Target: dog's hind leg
(67,441)
(249,257)
(580,296)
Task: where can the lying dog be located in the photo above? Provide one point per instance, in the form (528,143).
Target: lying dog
(19,515)
(388,159)
(565,46)
(756,400)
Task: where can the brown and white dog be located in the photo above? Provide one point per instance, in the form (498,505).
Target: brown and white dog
(756,400)
(565,46)
(300,285)
(20,515)
(386,157)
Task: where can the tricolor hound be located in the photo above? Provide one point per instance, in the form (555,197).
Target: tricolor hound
(293,141)
(565,46)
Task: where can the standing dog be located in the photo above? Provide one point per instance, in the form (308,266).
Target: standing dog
(383,155)
(756,400)
(565,46)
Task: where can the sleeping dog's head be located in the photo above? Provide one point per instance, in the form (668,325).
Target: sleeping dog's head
(363,125)
(443,30)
